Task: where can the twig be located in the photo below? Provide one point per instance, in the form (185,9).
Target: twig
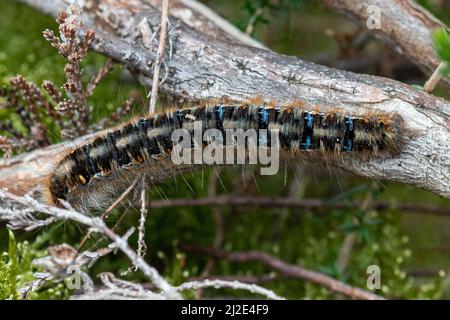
(437,76)
(97,224)
(349,240)
(218,224)
(122,289)
(216,283)
(252,21)
(57,264)
(101,74)
(218,219)
(142,247)
(286,269)
(308,204)
(159,55)
(105,214)
(245,279)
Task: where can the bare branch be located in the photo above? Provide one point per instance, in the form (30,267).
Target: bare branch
(159,55)
(307,204)
(289,270)
(142,246)
(435,78)
(105,214)
(404,25)
(236,285)
(97,224)
(101,74)
(244,279)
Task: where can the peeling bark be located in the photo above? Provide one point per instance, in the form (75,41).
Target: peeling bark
(202,68)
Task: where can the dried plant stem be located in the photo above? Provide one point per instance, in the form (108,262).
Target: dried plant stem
(252,21)
(101,74)
(307,204)
(98,225)
(110,209)
(217,283)
(159,54)
(245,279)
(218,220)
(350,238)
(119,199)
(142,247)
(286,269)
(437,76)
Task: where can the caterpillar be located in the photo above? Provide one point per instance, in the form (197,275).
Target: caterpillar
(91,176)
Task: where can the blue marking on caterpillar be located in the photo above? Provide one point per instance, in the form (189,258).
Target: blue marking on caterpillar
(220,110)
(347,144)
(264,116)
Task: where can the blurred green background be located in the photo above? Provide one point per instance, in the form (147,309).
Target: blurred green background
(412,249)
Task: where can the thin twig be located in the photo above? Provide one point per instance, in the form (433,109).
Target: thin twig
(252,21)
(286,269)
(307,204)
(159,55)
(101,74)
(218,224)
(97,224)
(142,247)
(218,220)
(217,283)
(245,279)
(435,78)
(105,214)
(350,238)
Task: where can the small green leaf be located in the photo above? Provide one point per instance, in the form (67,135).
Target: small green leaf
(446,70)
(442,43)
(12,253)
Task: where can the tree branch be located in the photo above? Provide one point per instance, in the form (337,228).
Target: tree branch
(286,269)
(97,224)
(307,204)
(405,26)
(202,68)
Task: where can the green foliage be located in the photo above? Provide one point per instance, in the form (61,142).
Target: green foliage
(16,271)
(309,239)
(8,270)
(437,8)
(24,51)
(442,42)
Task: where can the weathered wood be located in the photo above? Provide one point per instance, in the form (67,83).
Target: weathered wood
(198,16)
(202,67)
(404,25)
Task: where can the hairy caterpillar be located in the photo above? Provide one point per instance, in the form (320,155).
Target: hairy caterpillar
(92,176)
